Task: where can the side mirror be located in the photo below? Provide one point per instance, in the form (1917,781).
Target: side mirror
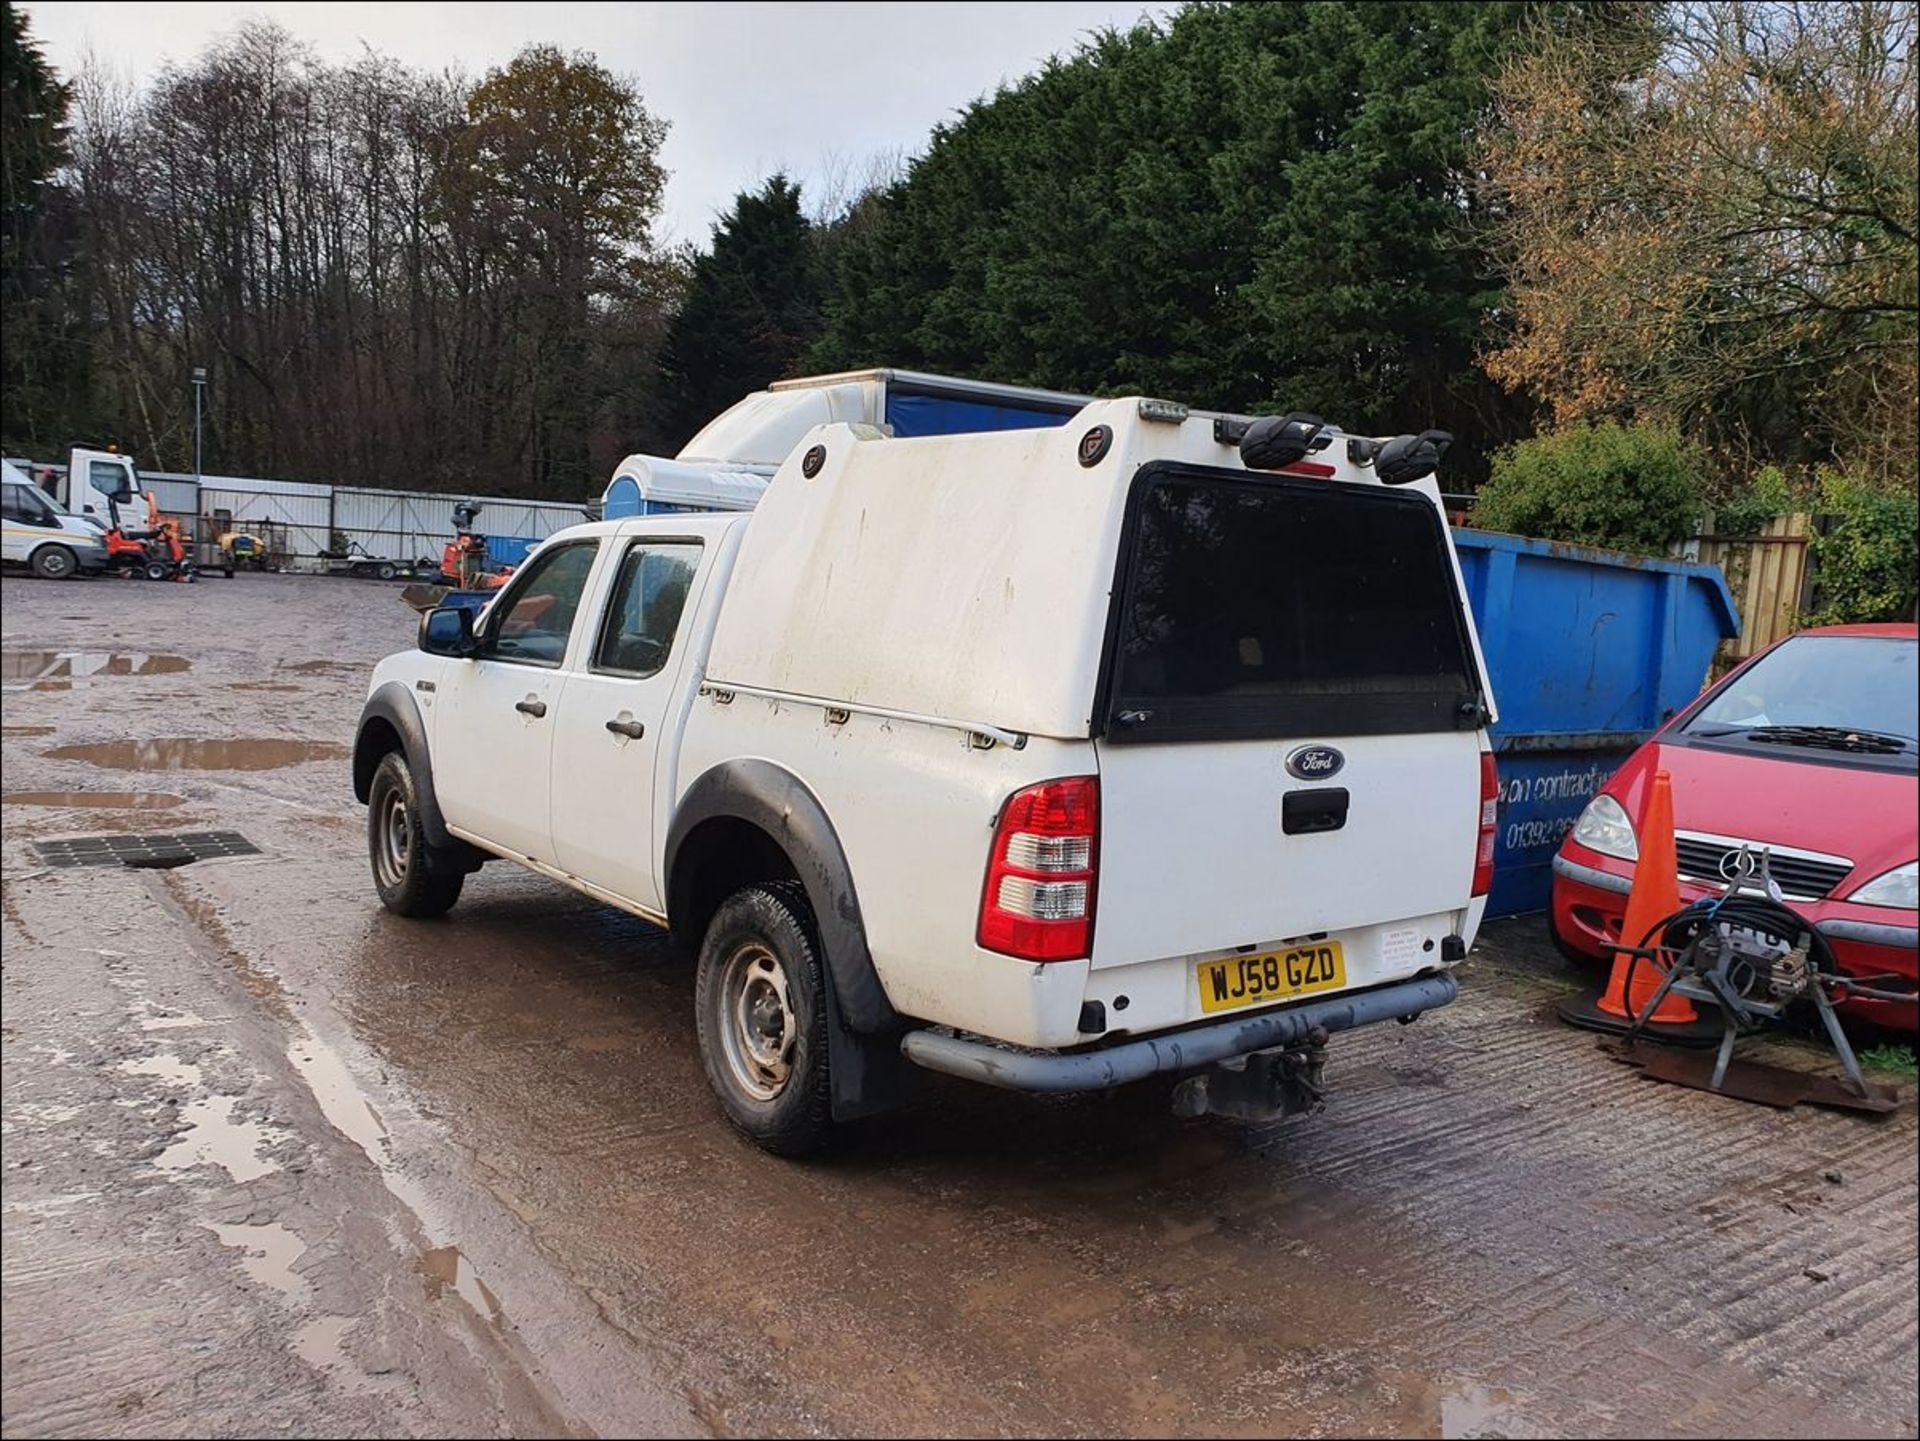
(1411,457)
(448,630)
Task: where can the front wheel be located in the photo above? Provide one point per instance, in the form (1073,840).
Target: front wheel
(411,879)
(760,1003)
(157,570)
(54,562)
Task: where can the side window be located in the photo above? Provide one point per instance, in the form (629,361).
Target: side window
(110,478)
(24,504)
(644,613)
(535,620)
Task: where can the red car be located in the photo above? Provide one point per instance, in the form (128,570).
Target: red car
(1807,750)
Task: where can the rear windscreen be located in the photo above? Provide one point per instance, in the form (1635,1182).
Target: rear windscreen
(1263,607)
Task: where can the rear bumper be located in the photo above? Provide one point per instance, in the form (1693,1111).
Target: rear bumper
(1024,1070)
(1589,903)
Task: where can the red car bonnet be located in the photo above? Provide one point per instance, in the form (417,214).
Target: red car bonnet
(1782,796)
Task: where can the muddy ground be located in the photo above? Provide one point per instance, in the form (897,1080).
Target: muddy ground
(277,1162)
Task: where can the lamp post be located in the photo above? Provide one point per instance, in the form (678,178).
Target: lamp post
(199,391)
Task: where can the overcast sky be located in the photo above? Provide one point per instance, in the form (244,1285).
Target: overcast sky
(748,88)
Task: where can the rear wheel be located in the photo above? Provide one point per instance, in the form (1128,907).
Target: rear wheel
(54,562)
(411,878)
(760,1002)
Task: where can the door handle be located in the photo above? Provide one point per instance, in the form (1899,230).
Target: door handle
(532,706)
(631,729)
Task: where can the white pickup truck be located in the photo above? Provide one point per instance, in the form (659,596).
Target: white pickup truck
(1054,758)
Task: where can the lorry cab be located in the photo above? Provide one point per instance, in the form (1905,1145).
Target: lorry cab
(97,482)
(38,532)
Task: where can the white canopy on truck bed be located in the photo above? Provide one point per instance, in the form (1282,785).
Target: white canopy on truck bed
(844,576)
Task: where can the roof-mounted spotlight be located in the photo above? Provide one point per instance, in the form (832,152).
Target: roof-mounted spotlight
(1408,458)
(1275,441)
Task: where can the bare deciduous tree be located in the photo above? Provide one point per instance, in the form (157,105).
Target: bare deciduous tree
(1708,215)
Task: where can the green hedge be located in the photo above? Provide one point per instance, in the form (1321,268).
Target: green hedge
(1866,563)
(1632,487)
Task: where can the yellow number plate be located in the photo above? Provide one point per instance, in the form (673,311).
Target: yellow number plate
(1237,981)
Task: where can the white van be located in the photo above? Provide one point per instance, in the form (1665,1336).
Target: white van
(1150,744)
(39,534)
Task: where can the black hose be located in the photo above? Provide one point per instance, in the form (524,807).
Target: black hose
(1761,914)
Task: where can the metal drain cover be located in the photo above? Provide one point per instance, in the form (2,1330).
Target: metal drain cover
(156,852)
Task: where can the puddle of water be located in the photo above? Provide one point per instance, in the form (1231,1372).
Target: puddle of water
(26,730)
(352,1113)
(214,1138)
(171,1069)
(261,685)
(1470,1410)
(321,1342)
(444,1267)
(94,800)
(187,754)
(312,667)
(51,664)
(267,1254)
(341,1101)
(25,664)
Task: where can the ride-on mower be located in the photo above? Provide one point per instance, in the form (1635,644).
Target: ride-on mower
(159,552)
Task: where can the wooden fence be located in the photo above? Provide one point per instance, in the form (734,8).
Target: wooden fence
(1770,576)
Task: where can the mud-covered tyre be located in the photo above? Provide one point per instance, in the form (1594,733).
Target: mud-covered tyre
(760,1004)
(55,562)
(411,878)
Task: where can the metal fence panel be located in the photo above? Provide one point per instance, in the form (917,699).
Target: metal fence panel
(306,510)
(174,497)
(394,524)
(402,525)
(405,524)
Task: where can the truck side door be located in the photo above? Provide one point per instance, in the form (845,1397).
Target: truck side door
(494,713)
(616,707)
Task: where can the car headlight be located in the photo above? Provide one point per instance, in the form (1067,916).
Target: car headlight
(1898,888)
(1603,826)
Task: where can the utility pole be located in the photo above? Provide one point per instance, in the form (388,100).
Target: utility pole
(199,391)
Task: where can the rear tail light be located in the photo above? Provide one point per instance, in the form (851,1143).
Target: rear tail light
(1489,815)
(1037,902)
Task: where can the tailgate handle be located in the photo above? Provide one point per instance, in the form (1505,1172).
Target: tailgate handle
(1322,809)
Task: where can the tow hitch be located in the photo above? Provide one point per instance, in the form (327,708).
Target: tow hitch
(1259,1086)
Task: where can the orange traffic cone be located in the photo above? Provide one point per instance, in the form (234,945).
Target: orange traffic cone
(1654,897)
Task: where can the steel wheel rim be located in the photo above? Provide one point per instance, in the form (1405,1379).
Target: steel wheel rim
(393,839)
(57,564)
(758,1028)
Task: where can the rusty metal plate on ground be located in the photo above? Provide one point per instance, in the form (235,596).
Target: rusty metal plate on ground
(1754,1081)
(155,852)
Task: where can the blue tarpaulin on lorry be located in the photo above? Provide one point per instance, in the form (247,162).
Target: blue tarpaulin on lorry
(912,415)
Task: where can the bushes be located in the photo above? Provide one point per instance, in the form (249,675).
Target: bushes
(1634,487)
(1769,496)
(1866,566)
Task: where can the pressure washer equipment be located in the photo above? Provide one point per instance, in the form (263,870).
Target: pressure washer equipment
(1756,958)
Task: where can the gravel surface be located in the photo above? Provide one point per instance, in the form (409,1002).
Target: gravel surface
(277,1162)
